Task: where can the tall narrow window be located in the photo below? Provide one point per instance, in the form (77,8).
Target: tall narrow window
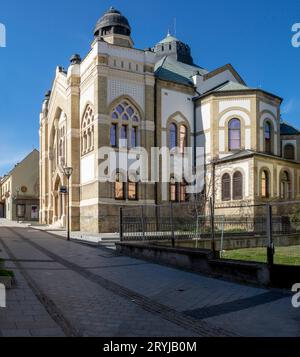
(173,190)
(268,138)
(134,137)
(119,188)
(183,138)
(183,192)
(289,152)
(265,187)
(285,186)
(238,186)
(89,138)
(234,128)
(226,187)
(124,135)
(113,135)
(84,142)
(61,149)
(132,191)
(173,136)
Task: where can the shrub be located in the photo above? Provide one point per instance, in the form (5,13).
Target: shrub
(7,273)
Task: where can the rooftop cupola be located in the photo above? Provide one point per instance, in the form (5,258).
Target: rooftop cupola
(114,28)
(171,46)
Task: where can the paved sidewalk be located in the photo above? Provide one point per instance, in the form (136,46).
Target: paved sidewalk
(92,291)
(107,240)
(24,315)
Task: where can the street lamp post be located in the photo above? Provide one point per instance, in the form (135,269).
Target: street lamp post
(68,171)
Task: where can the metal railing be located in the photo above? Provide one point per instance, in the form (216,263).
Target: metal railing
(187,222)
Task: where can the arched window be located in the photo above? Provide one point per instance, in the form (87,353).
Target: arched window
(268,138)
(234,130)
(237,186)
(183,138)
(87,131)
(119,187)
(289,152)
(285,186)
(173,136)
(265,184)
(126,117)
(226,187)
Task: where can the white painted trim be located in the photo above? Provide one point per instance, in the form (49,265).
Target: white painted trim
(268,116)
(233,113)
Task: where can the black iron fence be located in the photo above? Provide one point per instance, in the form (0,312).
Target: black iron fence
(162,222)
(186,221)
(247,232)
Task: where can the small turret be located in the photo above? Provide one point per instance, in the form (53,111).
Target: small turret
(171,46)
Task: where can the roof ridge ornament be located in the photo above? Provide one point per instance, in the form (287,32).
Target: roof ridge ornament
(112,9)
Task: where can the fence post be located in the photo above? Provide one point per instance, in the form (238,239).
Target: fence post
(121,225)
(212,220)
(157,216)
(270,249)
(143,222)
(172,224)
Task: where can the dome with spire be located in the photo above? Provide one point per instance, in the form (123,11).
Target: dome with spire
(112,22)
(172,47)
(169,39)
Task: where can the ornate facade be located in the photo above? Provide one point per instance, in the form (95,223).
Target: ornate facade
(121,96)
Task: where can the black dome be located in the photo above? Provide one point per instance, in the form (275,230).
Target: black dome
(112,19)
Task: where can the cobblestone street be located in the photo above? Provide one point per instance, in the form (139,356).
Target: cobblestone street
(70,289)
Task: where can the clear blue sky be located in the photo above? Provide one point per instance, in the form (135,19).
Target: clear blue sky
(254,37)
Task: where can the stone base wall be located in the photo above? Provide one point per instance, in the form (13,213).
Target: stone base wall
(89,219)
(100,219)
(200,261)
